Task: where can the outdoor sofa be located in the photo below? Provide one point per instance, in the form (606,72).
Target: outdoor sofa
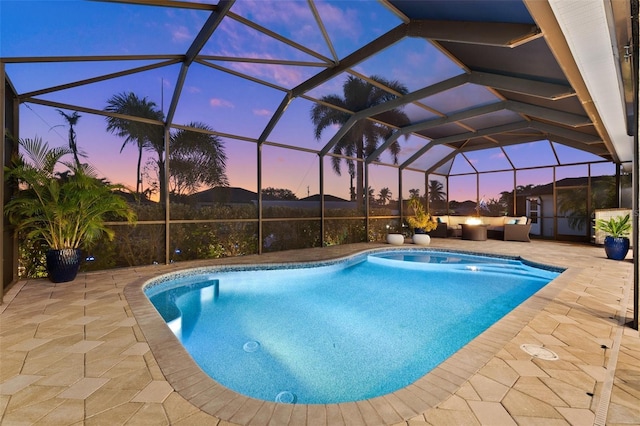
(507,228)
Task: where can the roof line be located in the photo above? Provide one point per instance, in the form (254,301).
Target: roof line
(98,79)
(543,14)
(88,58)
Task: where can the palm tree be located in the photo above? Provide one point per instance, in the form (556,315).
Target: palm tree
(414,193)
(437,195)
(362,139)
(72,119)
(196,159)
(384,195)
(436,191)
(371,195)
(572,203)
(143,134)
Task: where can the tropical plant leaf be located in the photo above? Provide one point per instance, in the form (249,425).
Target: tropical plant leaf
(58,202)
(618,226)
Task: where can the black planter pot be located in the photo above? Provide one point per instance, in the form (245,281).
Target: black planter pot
(616,248)
(63,265)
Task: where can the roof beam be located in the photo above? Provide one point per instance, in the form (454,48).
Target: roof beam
(339,135)
(417,155)
(93,58)
(425,92)
(278,37)
(464,136)
(462,115)
(523,86)
(392,104)
(544,16)
(198,43)
(166,3)
(356,57)
(487,145)
(561,117)
(98,79)
(477,147)
(353,59)
(442,161)
(203,58)
(564,132)
(482,33)
(323,30)
(375,154)
(598,149)
(69,107)
(239,74)
(284,104)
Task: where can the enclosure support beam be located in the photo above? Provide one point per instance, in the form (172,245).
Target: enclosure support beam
(635,30)
(365,194)
(167,202)
(259,189)
(321,172)
(3,127)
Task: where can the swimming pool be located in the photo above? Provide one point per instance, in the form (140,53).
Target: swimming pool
(339,331)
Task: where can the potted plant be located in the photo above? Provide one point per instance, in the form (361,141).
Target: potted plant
(394,237)
(616,243)
(62,204)
(421,222)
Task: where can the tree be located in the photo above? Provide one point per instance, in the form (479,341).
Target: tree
(573,204)
(371,195)
(384,196)
(494,207)
(196,159)
(144,135)
(436,192)
(437,195)
(278,194)
(72,120)
(414,193)
(362,139)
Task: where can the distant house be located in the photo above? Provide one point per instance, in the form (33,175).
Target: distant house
(222,195)
(538,203)
(236,196)
(330,202)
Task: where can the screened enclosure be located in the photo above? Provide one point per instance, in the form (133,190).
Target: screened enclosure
(243,127)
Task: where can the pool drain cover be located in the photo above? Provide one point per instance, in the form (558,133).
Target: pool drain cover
(538,351)
(286,397)
(251,346)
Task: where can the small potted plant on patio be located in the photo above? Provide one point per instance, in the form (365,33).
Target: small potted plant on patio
(394,237)
(62,204)
(616,243)
(421,222)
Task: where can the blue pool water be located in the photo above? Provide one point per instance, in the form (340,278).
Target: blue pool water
(343,331)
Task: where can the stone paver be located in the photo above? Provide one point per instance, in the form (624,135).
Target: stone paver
(88,352)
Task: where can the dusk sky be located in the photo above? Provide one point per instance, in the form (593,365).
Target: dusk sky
(238,108)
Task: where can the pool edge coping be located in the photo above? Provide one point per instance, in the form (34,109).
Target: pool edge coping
(195,386)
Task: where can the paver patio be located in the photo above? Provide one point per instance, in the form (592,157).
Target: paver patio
(87,353)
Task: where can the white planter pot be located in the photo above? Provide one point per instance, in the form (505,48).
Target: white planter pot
(395,239)
(421,239)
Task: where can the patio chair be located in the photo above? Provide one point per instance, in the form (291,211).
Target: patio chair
(517,232)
